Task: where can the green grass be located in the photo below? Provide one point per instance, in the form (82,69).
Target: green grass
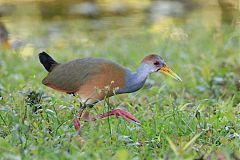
(198,118)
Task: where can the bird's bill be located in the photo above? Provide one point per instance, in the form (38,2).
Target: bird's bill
(167,71)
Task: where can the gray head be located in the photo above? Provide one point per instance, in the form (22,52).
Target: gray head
(154,63)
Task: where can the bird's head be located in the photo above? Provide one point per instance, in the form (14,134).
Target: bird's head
(154,63)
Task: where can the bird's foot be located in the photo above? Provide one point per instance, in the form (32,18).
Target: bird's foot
(126,115)
(76,122)
(118,112)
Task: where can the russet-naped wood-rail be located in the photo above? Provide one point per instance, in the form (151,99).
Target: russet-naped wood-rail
(95,79)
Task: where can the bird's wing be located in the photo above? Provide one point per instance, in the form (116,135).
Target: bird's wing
(68,77)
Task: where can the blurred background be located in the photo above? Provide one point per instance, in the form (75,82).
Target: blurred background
(198,36)
(198,39)
(80,23)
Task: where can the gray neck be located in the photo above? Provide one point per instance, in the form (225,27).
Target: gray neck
(135,80)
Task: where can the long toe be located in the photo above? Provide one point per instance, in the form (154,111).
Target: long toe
(129,116)
(126,115)
(116,112)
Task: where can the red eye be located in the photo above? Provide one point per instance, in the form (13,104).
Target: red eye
(156,63)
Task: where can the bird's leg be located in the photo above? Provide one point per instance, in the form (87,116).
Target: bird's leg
(76,122)
(85,116)
(117,112)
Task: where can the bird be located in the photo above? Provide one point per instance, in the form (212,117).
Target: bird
(4,36)
(95,79)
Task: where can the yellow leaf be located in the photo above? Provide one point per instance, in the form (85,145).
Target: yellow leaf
(122,154)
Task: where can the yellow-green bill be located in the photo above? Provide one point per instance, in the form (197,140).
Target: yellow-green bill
(167,71)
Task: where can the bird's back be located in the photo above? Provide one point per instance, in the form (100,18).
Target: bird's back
(91,78)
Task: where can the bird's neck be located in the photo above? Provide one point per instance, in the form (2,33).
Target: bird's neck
(135,80)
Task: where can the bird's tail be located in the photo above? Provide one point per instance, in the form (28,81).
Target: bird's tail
(48,62)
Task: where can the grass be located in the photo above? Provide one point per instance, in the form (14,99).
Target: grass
(196,119)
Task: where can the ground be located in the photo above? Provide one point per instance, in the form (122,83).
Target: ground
(198,118)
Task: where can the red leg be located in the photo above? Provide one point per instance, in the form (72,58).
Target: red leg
(85,116)
(118,112)
(76,122)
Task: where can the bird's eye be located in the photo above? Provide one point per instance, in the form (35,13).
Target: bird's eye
(156,63)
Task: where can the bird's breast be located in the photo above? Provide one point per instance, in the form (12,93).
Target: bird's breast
(103,84)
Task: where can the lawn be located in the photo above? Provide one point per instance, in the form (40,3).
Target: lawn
(198,118)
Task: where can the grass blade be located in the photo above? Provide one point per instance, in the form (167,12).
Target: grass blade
(172,145)
(191,141)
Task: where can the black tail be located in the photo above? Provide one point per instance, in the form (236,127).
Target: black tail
(47,61)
